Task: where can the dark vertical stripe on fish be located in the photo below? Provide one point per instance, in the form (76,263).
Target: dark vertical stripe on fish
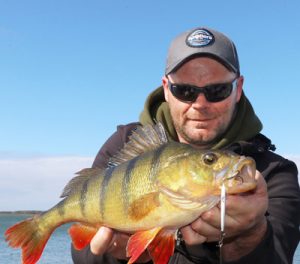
(60,208)
(154,165)
(126,181)
(156,161)
(107,177)
(83,196)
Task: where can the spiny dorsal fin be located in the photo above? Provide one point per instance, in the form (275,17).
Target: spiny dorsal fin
(143,139)
(75,183)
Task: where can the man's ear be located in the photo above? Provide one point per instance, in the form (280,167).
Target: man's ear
(165,86)
(240,83)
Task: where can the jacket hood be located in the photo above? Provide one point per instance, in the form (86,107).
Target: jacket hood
(245,125)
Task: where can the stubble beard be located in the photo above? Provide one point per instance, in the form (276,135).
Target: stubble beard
(200,140)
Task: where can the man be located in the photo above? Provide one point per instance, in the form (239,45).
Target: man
(202,103)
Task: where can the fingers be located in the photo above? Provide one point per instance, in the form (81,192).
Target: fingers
(251,205)
(108,241)
(247,210)
(213,217)
(204,229)
(101,241)
(191,237)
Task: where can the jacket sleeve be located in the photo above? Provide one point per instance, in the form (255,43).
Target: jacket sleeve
(284,210)
(283,216)
(109,149)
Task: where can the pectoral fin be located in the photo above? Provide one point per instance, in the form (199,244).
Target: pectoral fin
(81,235)
(143,206)
(159,242)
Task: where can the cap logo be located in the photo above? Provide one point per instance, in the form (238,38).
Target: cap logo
(199,38)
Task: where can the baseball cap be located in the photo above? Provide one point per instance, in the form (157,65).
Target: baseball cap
(202,42)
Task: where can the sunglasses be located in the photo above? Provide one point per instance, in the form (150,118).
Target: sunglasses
(213,93)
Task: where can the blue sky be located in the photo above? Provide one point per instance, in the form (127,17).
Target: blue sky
(71,71)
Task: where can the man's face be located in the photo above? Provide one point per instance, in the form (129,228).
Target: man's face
(201,122)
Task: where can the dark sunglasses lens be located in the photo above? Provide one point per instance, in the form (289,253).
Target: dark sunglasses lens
(184,92)
(213,93)
(219,92)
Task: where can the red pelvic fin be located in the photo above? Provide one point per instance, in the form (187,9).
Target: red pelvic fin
(30,238)
(162,247)
(81,235)
(159,242)
(138,243)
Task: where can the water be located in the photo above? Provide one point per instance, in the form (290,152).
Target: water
(57,250)
(297,255)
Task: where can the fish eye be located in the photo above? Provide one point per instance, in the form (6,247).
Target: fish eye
(210,158)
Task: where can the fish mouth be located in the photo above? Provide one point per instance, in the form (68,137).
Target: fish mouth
(241,178)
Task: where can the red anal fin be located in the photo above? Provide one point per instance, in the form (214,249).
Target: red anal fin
(162,247)
(138,243)
(81,235)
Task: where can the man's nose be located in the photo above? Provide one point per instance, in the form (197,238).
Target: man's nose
(200,102)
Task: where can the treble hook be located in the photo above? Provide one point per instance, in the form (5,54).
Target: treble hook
(236,176)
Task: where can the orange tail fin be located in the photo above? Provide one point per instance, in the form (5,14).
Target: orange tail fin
(81,235)
(159,242)
(29,237)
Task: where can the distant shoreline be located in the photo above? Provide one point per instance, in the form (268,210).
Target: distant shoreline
(30,212)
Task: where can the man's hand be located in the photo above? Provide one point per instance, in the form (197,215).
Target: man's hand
(107,240)
(245,222)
